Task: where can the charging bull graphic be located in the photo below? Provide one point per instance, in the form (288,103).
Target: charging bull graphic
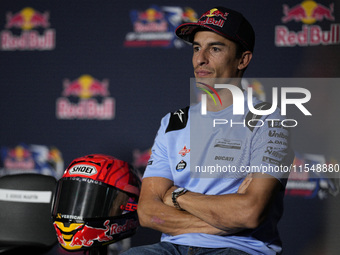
(84,235)
(77,236)
(87,235)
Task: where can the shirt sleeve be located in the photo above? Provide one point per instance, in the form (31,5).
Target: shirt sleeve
(158,165)
(271,151)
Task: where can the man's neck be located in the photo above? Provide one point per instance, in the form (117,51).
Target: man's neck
(226,99)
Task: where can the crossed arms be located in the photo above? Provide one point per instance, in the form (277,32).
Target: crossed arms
(210,214)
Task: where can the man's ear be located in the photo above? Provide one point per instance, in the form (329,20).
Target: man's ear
(245,60)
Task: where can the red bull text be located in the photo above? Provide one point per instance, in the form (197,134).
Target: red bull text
(86,89)
(308,36)
(308,12)
(151,20)
(214,17)
(27,20)
(19,158)
(85,235)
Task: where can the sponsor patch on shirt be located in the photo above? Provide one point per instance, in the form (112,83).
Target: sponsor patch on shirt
(181,166)
(228,144)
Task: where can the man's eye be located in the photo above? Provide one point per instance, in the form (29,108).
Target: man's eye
(215,49)
(196,49)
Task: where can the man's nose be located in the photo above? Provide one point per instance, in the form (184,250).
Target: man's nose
(202,57)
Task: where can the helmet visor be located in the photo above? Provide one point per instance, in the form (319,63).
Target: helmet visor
(79,198)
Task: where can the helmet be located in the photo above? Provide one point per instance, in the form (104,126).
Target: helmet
(96,202)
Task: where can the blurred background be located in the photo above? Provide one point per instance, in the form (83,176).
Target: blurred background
(96,76)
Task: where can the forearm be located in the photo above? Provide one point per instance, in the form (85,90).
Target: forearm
(231,212)
(226,212)
(167,219)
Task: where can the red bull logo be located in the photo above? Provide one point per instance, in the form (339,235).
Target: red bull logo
(214,17)
(150,15)
(83,235)
(151,20)
(28,19)
(189,15)
(215,13)
(19,158)
(31,158)
(54,155)
(87,89)
(308,12)
(77,236)
(154,26)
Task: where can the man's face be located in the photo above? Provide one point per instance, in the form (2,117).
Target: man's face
(214,56)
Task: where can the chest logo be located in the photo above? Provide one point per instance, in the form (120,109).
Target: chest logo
(181,166)
(184,151)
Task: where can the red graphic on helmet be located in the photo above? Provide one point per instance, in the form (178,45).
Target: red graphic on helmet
(110,170)
(87,235)
(79,235)
(108,192)
(59,234)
